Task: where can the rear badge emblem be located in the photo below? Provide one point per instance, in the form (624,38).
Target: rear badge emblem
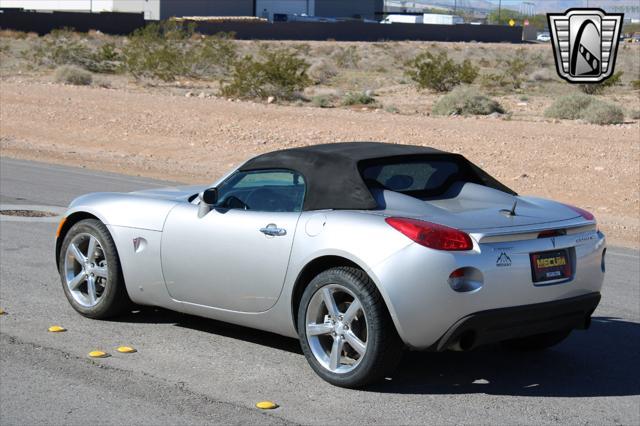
(503,260)
(553,241)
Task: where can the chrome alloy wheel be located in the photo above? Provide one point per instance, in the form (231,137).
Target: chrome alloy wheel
(85,270)
(336,328)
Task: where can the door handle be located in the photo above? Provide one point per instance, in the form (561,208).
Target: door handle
(273,230)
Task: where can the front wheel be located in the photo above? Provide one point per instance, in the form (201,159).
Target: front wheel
(90,271)
(345,330)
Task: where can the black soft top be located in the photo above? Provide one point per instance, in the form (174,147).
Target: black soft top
(332,171)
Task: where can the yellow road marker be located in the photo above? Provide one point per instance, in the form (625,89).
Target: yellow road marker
(126,350)
(98,354)
(2,312)
(57,329)
(266,405)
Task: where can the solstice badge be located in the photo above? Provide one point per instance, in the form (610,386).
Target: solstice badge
(585,43)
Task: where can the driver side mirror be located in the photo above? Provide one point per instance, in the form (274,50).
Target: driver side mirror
(210,196)
(208,199)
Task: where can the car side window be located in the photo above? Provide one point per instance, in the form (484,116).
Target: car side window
(263,190)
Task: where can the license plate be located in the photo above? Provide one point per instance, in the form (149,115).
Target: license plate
(550,266)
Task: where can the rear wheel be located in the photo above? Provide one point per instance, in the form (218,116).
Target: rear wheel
(90,271)
(537,342)
(345,330)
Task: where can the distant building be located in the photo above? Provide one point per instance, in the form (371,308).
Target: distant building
(162,9)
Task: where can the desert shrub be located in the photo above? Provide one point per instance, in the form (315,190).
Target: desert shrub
(322,71)
(392,109)
(322,101)
(598,88)
(514,68)
(602,113)
(346,57)
(569,107)
(60,47)
(492,81)
(635,84)
(466,101)
(635,114)
(19,35)
(591,109)
(158,50)
(541,75)
(439,73)
(106,59)
(70,74)
(212,57)
(280,73)
(357,98)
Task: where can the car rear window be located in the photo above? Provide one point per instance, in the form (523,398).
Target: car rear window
(421,178)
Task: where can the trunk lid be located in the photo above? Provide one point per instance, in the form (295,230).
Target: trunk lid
(476,208)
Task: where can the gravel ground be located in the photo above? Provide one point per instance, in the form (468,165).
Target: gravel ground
(195,140)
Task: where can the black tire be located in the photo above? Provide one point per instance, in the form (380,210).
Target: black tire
(537,342)
(114,298)
(383,345)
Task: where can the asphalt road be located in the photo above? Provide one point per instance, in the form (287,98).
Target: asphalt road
(190,370)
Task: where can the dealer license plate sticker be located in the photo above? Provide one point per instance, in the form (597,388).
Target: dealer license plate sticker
(550,266)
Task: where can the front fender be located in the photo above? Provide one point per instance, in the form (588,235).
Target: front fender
(124,209)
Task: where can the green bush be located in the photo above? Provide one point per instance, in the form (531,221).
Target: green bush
(635,84)
(466,101)
(212,57)
(322,71)
(60,47)
(70,74)
(601,113)
(569,107)
(347,57)
(514,68)
(591,109)
(280,74)
(107,59)
(598,88)
(358,98)
(439,73)
(322,101)
(158,50)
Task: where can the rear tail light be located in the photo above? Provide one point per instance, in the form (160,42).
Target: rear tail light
(432,235)
(585,214)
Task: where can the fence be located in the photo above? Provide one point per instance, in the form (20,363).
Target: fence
(125,23)
(43,22)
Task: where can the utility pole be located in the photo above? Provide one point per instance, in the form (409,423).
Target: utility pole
(455,6)
(499,11)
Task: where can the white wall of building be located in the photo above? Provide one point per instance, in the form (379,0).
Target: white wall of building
(151,8)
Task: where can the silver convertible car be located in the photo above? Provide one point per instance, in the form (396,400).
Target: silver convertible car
(360,250)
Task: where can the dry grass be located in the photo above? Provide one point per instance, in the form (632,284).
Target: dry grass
(506,72)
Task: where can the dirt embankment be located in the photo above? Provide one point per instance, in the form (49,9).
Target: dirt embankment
(196,140)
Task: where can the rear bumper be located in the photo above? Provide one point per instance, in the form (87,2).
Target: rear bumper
(497,325)
(423,306)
